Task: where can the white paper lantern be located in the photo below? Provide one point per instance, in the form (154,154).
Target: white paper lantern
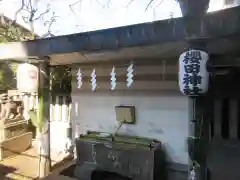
(193,74)
(27,78)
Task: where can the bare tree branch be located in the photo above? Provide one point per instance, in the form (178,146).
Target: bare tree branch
(108,3)
(19,10)
(31,15)
(130,2)
(80,1)
(150,2)
(100,4)
(148,5)
(73,4)
(11,31)
(159,3)
(44,13)
(49,24)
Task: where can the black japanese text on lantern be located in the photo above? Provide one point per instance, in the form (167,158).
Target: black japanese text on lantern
(192,78)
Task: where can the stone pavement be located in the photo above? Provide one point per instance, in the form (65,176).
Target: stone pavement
(25,165)
(59,177)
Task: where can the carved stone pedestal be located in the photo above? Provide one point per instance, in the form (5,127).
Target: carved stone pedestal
(14,137)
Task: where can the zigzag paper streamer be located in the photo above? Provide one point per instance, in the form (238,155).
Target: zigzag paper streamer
(113,79)
(79,79)
(93,80)
(130,75)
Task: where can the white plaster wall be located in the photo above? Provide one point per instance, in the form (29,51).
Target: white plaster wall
(58,136)
(216,5)
(161,117)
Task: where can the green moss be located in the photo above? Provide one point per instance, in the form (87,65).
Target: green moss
(118,139)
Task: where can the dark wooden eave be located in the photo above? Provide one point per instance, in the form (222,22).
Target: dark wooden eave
(160,39)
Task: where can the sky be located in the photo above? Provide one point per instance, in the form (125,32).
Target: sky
(90,15)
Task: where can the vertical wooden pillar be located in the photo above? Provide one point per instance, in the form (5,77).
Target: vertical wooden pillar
(44,109)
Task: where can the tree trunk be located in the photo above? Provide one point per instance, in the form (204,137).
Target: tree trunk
(44,108)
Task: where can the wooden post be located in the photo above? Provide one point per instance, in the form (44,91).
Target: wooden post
(44,111)
(195,133)
(200,114)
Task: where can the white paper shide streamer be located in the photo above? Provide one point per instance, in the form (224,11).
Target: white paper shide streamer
(193,74)
(113,79)
(130,75)
(79,79)
(94,80)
